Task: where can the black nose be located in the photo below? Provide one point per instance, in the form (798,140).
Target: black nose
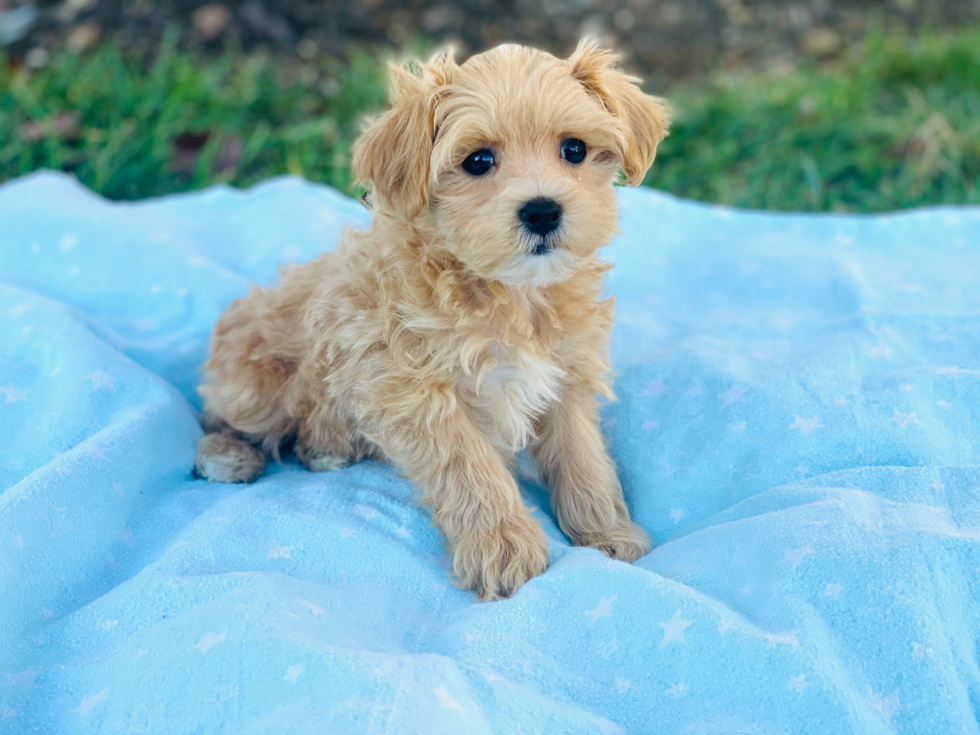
(541,215)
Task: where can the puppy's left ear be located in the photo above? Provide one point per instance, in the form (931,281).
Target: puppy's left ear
(644,117)
(393,153)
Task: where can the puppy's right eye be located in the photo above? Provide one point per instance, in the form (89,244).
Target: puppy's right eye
(478,162)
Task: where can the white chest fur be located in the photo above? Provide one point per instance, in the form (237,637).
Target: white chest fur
(506,399)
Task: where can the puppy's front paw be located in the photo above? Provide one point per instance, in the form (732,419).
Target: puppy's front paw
(496,562)
(625,541)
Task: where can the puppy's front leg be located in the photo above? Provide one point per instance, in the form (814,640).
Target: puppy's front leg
(496,545)
(585,491)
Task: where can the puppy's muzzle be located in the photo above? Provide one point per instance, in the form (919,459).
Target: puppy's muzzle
(541,217)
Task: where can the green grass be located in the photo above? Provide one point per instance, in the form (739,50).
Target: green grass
(894,126)
(137,132)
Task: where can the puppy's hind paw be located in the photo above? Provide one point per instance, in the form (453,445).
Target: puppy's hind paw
(496,562)
(323,462)
(316,461)
(625,541)
(225,458)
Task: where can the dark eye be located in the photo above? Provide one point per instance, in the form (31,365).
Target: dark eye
(478,162)
(573,150)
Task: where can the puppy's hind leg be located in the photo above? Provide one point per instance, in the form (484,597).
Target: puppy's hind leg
(223,457)
(327,441)
(317,461)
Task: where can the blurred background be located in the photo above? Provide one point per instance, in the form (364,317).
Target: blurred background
(813,105)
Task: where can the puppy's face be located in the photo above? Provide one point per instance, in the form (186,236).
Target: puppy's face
(511,158)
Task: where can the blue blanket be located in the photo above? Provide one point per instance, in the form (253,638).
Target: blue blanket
(798,429)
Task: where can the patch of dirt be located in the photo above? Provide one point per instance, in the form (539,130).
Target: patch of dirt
(666,40)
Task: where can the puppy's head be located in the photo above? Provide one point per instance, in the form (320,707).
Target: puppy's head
(509,160)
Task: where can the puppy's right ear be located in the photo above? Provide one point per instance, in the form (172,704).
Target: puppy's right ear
(393,153)
(644,118)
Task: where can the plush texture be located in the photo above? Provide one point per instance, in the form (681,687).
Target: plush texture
(797,430)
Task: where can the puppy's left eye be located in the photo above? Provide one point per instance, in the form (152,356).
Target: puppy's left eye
(478,162)
(573,150)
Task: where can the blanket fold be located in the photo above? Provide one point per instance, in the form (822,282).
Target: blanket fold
(797,428)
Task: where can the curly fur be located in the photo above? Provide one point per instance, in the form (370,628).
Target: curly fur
(437,339)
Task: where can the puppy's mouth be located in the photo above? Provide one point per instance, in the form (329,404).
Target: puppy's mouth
(544,244)
(540,260)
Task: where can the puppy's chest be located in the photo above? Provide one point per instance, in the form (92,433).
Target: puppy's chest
(506,399)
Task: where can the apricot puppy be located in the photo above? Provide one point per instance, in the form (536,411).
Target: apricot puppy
(468,322)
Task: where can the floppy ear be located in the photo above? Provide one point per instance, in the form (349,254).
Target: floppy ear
(644,117)
(393,153)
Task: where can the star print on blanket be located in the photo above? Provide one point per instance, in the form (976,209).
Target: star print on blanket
(797,429)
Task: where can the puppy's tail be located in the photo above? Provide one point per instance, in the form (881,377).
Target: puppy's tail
(223,457)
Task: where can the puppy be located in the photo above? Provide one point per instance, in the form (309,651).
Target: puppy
(468,322)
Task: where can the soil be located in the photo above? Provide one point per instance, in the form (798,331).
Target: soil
(665,40)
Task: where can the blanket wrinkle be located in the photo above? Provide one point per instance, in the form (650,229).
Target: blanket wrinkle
(797,427)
